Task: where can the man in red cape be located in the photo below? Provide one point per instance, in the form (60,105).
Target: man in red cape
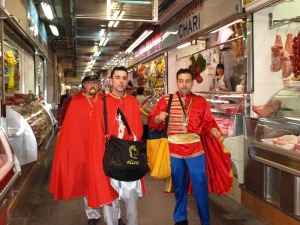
(129,192)
(194,137)
(76,170)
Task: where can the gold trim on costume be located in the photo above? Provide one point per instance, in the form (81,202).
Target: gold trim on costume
(183,138)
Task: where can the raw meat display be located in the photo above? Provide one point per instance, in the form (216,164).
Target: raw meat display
(267,109)
(286,60)
(290,142)
(277,51)
(224,125)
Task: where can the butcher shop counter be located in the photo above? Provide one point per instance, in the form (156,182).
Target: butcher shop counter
(228,110)
(275,155)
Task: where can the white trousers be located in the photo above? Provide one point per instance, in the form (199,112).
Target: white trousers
(94,213)
(91,213)
(129,192)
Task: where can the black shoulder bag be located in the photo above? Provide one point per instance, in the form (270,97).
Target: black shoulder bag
(122,158)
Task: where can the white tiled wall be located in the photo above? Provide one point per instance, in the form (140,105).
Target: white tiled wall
(267,83)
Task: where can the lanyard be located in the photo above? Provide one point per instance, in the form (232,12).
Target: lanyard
(185,112)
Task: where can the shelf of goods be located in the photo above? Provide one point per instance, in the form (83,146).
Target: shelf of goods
(228,110)
(275,154)
(28,125)
(9,175)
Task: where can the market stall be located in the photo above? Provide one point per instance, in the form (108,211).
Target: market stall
(272,125)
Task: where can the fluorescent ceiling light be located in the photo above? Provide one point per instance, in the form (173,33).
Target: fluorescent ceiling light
(96,54)
(227,25)
(136,2)
(47,10)
(169,33)
(101,41)
(184,45)
(111,23)
(105,42)
(116,16)
(54,30)
(139,40)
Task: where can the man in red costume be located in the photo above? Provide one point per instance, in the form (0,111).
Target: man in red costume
(190,119)
(129,192)
(74,173)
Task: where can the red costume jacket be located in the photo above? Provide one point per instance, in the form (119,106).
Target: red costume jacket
(201,122)
(73,174)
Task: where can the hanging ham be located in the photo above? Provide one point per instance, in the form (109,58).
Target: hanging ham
(286,57)
(296,56)
(277,51)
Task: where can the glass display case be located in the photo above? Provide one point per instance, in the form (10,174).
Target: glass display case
(38,119)
(275,154)
(21,137)
(288,98)
(9,173)
(34,114)
(228,110)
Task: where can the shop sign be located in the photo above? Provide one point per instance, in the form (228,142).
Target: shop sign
(188,20)
(198,15)
(152,46)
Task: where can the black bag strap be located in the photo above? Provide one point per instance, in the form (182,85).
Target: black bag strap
(164,134)
(105,118)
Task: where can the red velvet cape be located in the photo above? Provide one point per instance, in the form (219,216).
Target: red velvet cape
(73,172)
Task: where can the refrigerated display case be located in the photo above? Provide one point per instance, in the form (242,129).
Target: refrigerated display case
(9,173)
(21,137)
(228,110)
(38,119)
(275,154)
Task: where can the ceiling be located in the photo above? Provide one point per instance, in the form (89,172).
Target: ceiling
(79,23)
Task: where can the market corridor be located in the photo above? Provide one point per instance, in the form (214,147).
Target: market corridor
(35,206)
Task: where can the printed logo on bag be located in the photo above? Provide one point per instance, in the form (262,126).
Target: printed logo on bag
(133,153)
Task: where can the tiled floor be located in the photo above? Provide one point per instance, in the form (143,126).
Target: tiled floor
(37,207)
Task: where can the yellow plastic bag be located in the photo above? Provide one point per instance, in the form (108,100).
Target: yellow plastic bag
(159,158)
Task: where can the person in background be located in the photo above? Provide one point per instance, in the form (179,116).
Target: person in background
(129,87)
(144,109)
(63,97)
(66,102)
(129,192)
(220,82)
(189,118)
(72,175)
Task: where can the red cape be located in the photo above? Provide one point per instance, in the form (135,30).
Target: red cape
(218,165)
(73,173)
(130,108)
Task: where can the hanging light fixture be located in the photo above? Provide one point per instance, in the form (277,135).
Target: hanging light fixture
(47,10)
(54,30)
(139,40)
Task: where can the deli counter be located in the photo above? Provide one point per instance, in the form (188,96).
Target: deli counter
(29,123)
(274,154)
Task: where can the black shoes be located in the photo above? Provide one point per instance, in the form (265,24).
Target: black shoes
(121,222)
(184,222)
(93,221)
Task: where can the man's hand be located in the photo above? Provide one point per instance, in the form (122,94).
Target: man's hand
(161,117)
